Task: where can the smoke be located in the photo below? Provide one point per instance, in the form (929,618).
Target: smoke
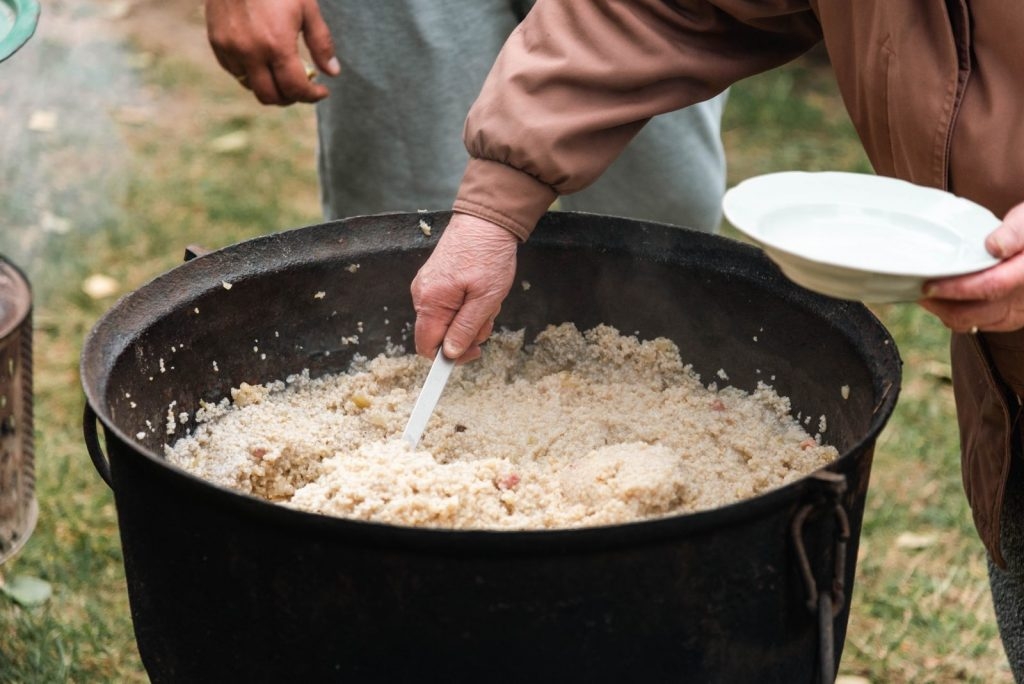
(63,162)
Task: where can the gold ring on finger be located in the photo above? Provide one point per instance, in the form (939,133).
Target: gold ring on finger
(310,72)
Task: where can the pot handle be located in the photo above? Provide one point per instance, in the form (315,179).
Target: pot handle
(92,443)
(827,602)
(195,251)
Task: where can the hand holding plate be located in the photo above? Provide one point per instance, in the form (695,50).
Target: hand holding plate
(990,300)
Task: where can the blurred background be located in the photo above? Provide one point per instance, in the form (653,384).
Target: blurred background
(122,141)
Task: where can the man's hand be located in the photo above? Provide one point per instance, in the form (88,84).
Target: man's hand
(992,299)
(257,42)
(459,290)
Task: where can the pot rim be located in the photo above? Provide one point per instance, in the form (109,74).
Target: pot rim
(651,530)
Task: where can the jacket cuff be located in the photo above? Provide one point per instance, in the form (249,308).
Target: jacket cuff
(503,195)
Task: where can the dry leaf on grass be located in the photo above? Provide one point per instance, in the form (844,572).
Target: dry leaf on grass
(913,540)
(99,286)
(26,591)
(230,142)
(43,121)
(51,223)
(120,9)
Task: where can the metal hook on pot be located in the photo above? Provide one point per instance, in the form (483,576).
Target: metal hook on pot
(92,444)
(825,604)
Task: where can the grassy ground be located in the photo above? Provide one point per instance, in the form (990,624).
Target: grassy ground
(921,610)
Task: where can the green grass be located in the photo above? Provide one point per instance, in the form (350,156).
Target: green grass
(178,192)
(919,615)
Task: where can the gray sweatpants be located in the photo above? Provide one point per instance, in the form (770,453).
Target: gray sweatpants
(390,133)
(1008,585)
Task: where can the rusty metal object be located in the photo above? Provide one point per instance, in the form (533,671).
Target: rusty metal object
(826,604)
(18,506)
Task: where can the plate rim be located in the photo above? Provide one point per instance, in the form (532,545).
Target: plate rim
(26,17)
(735,217)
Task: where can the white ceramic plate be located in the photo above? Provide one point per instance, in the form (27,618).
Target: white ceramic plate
(859,236)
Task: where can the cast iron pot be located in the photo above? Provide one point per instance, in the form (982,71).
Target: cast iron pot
(225,587)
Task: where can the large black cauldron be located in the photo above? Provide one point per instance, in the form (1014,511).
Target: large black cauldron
(224,587)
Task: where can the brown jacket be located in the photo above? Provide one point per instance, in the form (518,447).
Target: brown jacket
(932,86)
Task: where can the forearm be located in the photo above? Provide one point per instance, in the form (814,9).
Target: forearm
(577,80)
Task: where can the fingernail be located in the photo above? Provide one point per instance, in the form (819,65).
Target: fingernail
(451,351)
(993,245)
(334,66)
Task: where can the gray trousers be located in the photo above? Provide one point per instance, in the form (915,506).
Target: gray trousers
(1008,585)
(390,133)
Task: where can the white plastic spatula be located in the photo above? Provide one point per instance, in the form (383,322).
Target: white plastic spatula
(437,378)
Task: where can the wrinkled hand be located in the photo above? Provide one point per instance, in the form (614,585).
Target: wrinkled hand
(992,299)
(459,290)
(257,42)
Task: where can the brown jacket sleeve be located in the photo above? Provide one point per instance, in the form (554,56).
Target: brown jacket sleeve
(579,78)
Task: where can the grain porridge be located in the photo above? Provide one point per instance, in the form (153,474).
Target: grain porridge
(573,429)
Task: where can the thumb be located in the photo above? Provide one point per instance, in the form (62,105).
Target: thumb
(470,319)
(1008,238)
